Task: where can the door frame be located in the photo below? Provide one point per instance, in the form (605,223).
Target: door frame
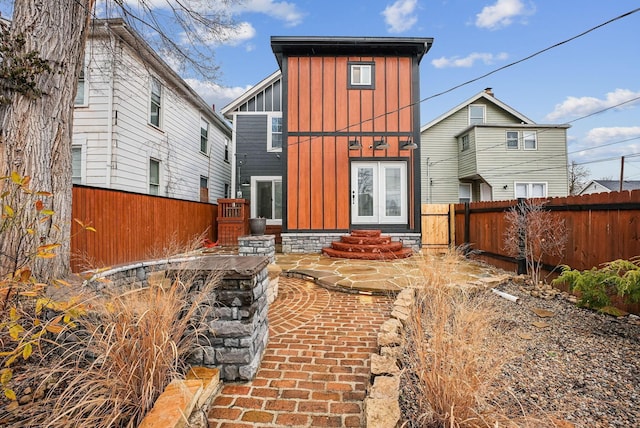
(379,192)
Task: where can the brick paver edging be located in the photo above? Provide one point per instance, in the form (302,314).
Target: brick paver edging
(382,406)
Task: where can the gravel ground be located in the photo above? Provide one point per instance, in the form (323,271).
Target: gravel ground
(581,370)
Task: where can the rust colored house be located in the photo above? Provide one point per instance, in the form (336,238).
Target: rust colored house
(350,120)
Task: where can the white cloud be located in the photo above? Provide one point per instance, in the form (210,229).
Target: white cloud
(576,107)
(232,36)
(400,16)
(469,60)
(500,14)
(215,94)
(605,135)
(282,10)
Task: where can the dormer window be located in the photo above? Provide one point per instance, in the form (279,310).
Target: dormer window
(361,75)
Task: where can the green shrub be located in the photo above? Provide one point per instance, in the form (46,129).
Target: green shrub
(596,286)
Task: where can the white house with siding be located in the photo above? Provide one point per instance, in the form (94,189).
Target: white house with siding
(483,150)
(139,127)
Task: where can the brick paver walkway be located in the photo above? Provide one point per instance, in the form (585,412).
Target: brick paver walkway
(316,366)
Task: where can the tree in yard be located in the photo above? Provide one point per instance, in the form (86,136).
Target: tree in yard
(43,53)
(533,233)
(578,176)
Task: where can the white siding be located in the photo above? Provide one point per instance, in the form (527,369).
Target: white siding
(176,145)
(487,157)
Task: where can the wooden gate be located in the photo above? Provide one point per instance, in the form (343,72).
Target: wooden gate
(438,226)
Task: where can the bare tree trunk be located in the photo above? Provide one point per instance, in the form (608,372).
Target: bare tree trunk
(35,132)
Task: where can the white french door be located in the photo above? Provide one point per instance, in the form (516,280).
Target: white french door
(378,192)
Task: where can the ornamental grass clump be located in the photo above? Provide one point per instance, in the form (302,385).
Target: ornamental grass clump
(110,369)
(453,353)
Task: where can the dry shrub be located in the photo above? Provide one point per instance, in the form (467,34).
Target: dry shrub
(110,370)
(453,355)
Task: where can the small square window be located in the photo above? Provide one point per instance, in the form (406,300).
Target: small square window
(204,189)
(361,75)
(464,192)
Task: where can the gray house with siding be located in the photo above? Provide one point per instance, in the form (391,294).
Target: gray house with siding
(257,148)
(484,150)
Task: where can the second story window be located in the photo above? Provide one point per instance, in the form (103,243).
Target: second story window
(361,75)
(226,150)
(274,143)
(530,140)
(512,140)
(81,98)
(156,102)
(465,142)
(204,136)
(476,114)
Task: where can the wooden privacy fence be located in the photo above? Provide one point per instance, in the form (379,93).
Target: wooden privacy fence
(600,228)
(132,227)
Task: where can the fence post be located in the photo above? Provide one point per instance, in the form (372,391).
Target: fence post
(467,227)
(522,236)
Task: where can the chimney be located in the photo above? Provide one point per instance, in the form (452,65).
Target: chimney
(489,91)
(213,107)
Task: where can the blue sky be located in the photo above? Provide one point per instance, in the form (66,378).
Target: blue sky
(474,37)
(471,38)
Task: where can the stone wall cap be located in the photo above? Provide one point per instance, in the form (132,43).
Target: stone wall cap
(230,264)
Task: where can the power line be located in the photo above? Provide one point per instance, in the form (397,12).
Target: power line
(399,109)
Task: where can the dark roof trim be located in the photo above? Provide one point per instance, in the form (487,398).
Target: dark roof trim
(316,45)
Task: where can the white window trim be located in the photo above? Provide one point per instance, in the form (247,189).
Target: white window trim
(203,121)
(162,95)
(83,159)
(254,189)
(506,140)
(529,185)
(484,113)
(85,88)
(524,139)
(159,184)
(270,148)
(353,66)
(470,191)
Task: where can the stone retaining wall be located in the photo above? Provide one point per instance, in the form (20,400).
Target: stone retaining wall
(237,322)
(382,407)
(258,245)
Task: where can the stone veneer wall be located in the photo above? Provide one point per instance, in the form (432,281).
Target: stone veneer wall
(238,329)
(315,242)
(258,245)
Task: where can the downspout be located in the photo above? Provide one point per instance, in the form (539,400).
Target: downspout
(234,190)
(112,47)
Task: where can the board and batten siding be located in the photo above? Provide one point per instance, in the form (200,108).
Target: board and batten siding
(134,141)
(323,114)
